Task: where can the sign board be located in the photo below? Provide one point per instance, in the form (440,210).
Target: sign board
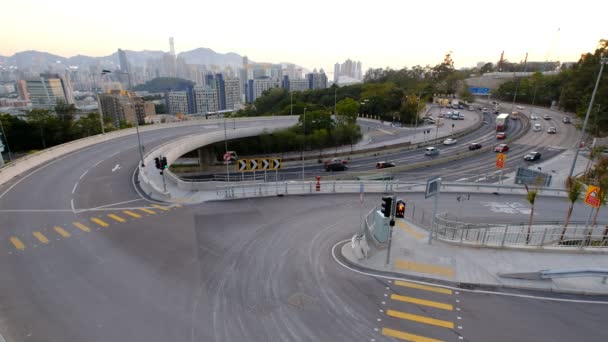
(592,197)
(500,160)
(263,164)
(227,156)
(479,91)
(532,177)
(432,186)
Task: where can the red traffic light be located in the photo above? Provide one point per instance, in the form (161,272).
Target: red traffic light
(400,209)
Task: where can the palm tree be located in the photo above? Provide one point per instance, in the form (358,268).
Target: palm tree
(531,197)
(575,189)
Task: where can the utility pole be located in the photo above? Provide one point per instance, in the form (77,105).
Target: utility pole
(580,140)
(391,224)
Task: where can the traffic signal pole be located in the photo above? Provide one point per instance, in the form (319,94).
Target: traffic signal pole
(390,230)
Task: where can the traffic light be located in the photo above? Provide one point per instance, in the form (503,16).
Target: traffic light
(387,204)
(400,209)
(164,163)
(157,163)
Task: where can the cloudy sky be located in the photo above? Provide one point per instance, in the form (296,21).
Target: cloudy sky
(311,33)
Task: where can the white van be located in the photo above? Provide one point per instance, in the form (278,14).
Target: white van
(431,151)
(536,128)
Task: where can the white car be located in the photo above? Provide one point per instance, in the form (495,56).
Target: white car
(536,128)
(534,117)
(449,141)
(520,107)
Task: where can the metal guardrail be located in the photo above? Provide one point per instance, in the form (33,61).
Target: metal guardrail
(571,273)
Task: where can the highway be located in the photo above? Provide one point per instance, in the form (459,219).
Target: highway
(87,259)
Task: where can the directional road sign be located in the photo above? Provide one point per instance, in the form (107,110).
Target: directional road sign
(263,164)
(592,197)
(500,160)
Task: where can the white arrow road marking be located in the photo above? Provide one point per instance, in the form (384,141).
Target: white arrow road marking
(116,168)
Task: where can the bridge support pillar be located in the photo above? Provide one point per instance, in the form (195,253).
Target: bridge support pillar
(205,158)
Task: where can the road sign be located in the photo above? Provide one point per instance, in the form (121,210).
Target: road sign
(264,163)
(432,186)
(500,160)
(242,165)
(276,164)
(227,156)
(592,197)
(253,165)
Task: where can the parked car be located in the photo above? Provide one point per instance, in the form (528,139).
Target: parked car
(384,165)
(450,141)
(520,107)
(532,156)
(474,146)
(536,128)
(335,167)
(431,151)
(501,136)
(460,116)
(546,117)
(566,120)
(471,108)
(455,116)
(552,130)
(441,115)
(501,148)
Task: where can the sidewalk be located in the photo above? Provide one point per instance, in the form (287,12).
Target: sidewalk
(457,265)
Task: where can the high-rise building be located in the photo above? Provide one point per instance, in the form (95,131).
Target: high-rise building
(206,99)
(351,69)
(317,80)
(125,106)
(125,68)
(336,72)
(177,102)
(44,92)
(232,93)
(256,87)
(298,85)
(172,46)
(22,90)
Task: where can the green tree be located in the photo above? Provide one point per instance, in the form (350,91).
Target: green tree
(315,120)
(465,94)
(574,188)
(347,110)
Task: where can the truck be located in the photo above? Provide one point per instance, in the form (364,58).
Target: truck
(502,122)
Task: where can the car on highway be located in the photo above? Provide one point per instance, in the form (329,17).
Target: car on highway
(546,117)
(474,146)
(334,161)
(471,108)
(430,120)
(460,116)
(450,141)
(532,156)
(566,120)
(384,165)
(552,130)
(520,107)
(501,148)
(335,167)
(431,151)
(536,128)
(533,117)
(485,110)
(501,136)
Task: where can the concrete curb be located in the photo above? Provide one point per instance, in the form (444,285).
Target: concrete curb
(462,285)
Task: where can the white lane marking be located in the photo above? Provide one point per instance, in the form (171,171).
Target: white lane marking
(113,154)
(72,205)
(99,162)
(333,254)
(84,173)
(116,168)
(112,204)
(74,188)
(33,210)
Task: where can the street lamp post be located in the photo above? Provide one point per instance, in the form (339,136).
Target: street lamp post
(603,61)
(303,142)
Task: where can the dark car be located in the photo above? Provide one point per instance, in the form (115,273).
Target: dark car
(566,120)
(532,156)
(384,165)
(335,167)
(474,146)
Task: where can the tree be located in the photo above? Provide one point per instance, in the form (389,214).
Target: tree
(347,109)
(488,67)
(465,94)
(574,188)
(531,198)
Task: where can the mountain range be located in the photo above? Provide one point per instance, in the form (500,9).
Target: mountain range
(41,60)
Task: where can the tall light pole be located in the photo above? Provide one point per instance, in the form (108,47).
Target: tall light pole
(226,149)
(580,140)
(8,149)
(303,142)
(103,131)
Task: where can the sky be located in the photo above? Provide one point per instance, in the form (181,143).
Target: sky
(311,33)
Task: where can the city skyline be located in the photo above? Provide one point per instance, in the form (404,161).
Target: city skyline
(397,35)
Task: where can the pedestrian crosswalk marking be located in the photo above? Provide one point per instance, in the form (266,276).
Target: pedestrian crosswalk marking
(99,222)
(424,302)
(160,207)
(62,232)
(146,210)
(17,243)
(420,319)
(132,214)
(423,287)
(81,227)
(116,218)
(41,237)
(444,271)
(406,336)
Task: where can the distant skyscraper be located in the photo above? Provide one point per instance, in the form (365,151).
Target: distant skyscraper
(351,69)
(232,92)
(171,46)
(124,67)
(22,90)
(177,102)
(317,80)
(256,87)
(44,92)
(336,72)
(120,105)
(206,99)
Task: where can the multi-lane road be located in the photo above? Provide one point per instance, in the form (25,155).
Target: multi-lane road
(87,259)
